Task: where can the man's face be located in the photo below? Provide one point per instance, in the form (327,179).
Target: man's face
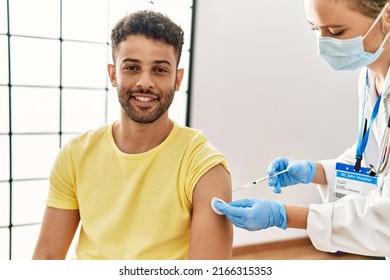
(146,78)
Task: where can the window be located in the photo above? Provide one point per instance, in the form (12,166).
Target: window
(53,86)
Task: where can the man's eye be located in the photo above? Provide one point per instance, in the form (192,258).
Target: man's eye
(160,70)
(131,68)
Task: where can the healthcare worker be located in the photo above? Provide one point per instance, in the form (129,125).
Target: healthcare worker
(355,187)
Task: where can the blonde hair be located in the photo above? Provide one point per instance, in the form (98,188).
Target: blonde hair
(370,8)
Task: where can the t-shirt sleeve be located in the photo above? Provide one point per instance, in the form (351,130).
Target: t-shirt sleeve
(202,157)
(62,191)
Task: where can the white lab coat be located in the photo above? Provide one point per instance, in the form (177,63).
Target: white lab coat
(355,223)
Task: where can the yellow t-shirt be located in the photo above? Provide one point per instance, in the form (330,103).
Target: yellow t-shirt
(132,206)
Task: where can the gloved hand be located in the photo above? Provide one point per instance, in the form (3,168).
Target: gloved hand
(254,214)
(298,171)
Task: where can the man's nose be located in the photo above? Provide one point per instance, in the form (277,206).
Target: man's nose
(145,80)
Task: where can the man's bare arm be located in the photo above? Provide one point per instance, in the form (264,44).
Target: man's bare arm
(57,232)
(211,234)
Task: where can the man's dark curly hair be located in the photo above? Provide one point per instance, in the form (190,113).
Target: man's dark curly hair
(151,24)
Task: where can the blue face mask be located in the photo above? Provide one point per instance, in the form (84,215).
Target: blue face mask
(349,54)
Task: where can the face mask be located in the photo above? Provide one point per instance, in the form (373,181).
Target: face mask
(349,54)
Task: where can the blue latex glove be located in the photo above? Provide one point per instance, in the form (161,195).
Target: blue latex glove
(298,172)
(254,214)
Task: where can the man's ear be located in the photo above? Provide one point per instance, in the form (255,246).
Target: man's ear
(179,78)
(112,74)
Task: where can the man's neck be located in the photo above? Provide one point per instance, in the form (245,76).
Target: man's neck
(134,138)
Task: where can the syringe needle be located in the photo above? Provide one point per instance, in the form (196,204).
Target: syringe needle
(258,181)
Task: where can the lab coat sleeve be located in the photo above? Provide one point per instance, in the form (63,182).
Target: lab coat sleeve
(353,224)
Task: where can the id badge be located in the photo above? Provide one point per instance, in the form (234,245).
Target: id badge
(349,181)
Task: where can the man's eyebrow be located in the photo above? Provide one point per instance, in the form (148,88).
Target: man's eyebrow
(130,60)
(162,62)
(157,61)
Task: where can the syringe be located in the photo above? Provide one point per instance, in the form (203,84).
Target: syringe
(258,181)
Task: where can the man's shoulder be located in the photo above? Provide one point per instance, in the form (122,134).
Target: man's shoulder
(189,133)
(90,137)
(194,140)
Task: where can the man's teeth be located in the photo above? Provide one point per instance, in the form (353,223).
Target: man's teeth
(144,99)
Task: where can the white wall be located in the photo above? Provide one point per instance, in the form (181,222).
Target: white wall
(261,91)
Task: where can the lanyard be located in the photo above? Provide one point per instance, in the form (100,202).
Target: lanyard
(364,133)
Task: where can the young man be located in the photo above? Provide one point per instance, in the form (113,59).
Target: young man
(141,187)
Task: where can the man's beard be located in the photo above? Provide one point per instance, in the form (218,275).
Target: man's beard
(145,115)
